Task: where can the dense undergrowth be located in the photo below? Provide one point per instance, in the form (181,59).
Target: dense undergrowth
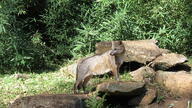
(38,34)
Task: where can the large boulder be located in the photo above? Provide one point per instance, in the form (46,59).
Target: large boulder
(178,83)
(50,101)
(125,88)
(141,51)
(168,103)
(143,74)
(165,61)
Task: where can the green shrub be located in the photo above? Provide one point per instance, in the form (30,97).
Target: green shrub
(162,20)
(20,48)
(36,34)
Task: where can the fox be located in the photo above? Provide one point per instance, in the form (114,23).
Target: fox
(109,61)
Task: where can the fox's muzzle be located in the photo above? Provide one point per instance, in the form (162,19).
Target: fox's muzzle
(116,52)
(113,52)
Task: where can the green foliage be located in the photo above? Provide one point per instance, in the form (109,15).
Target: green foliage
(189,60)
(95,102)
(36,34)
(126,77)
(61,20)
(122,20)
(21,47)
(189,104)
(160,99)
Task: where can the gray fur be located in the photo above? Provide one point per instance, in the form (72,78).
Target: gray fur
(109,61)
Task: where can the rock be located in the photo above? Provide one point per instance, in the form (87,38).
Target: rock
(70,70)
(165,61)
(21,76)
(143,74)
(102,47)
(141,51)
(178,83)
(125,88)
(50,101)
(168,103)
(144,99)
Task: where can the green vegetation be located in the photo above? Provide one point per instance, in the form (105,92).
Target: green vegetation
(39,35)
(189,60)
(19,85)
(36,35)
(94,102)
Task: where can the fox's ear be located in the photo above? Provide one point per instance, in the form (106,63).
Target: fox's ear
(114,44)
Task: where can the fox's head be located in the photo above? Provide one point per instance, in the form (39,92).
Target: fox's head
(117,48)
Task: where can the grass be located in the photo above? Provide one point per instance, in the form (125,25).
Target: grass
(12,87)
(20,85)
(190,60)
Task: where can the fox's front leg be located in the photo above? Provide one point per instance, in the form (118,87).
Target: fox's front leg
(115,73)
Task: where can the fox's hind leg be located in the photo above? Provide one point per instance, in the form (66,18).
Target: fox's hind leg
(85,83)
(78,85)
